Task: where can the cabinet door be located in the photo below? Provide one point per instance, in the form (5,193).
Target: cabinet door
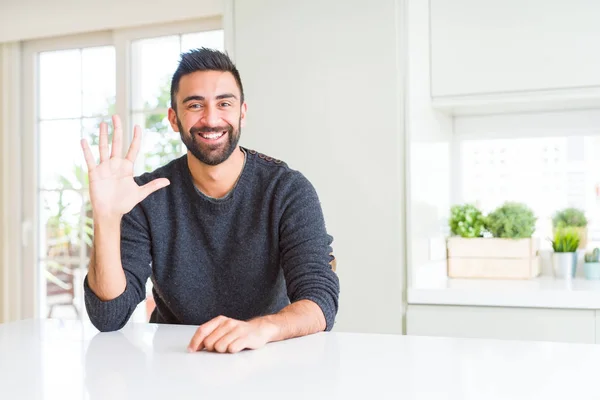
(536,324)
(481,47)
(598,326)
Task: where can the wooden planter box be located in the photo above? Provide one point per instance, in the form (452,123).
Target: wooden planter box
(493,258)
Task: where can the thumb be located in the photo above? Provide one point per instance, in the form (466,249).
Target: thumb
(152,187)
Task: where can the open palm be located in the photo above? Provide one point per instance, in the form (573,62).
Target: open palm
(113,192)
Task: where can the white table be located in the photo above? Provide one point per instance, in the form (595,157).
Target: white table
(68,360)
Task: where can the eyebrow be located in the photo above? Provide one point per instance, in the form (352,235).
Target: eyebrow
(202,98)
(226,96)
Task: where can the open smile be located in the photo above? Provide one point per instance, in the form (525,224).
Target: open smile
(211,136)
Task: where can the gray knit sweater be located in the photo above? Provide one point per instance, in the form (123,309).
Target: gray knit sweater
(247,255)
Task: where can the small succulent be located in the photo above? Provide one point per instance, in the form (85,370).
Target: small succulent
(466,221)
(569,217)
(593,257)
(511,220)
(566,240)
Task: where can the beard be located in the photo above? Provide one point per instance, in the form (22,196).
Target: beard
(206,153)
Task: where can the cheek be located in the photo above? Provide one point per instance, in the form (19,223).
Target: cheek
(189,120)
(233,120)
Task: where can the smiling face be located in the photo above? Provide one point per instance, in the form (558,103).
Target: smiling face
(209,115)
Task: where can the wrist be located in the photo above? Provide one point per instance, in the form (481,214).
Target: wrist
(105,220)
(269,326)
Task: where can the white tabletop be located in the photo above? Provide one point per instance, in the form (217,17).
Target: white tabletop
(430,285)
(67,360)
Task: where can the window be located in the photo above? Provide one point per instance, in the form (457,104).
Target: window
(546,172)
(76,87)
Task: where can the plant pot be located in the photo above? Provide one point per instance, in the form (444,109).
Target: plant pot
(564,265)
(592,270)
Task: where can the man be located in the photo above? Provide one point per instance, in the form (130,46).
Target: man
(234,241)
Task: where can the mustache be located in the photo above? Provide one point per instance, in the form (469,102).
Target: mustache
(209,129)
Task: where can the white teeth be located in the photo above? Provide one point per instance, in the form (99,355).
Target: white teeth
(212,135)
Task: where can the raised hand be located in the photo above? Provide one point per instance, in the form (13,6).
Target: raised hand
(113,192)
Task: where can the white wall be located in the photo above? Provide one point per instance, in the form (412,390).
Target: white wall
(554,123)
(29,19)
(430,134)
(10,181)
(486,46)
(3,213)
(323,82)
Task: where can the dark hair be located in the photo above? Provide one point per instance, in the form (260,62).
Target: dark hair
(203,59)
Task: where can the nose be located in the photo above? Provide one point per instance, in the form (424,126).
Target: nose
(211,116)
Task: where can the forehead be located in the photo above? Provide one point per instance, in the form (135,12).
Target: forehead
(207,84)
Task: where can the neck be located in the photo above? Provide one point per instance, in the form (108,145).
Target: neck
(216,180)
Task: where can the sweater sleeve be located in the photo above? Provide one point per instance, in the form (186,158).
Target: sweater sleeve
(305,249)
(136,259)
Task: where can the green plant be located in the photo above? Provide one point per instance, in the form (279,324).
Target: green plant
(168,146)
(569,217)
(466,221)
(593,257)
(566,240)
(512,221)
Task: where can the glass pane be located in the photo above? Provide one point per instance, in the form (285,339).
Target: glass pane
(63,282)
(210,39)
(153,63)
(91,132)
(60,84)
(546,173)
(86,234)
(60,154)
(98,70)
(160,144)
(60,229)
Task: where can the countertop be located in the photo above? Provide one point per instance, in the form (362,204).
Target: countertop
(430,285)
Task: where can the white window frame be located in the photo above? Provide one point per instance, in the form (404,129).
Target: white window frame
(121,39)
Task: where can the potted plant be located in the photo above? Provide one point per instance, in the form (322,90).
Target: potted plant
(591,266)
(511,221)
(564,258)
(511,252)
(572,218)
(466,221)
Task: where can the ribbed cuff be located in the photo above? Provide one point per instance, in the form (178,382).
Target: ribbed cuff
(109,315)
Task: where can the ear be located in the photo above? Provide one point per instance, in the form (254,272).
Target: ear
(173,120)
(243,114)
(333,262)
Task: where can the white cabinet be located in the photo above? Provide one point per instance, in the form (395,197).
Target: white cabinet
(597,326)
(533,324)
(484,48)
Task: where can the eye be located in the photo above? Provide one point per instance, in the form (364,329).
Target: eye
(225,104)
(195,106)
